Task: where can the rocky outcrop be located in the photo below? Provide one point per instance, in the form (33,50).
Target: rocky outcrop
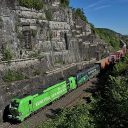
(53,29)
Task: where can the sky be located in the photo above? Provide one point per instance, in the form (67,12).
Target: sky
(112,14)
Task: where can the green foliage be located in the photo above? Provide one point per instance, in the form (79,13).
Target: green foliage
(34,33)
(64,3)
(111,109)
(1,19)
(76,117)
(48,14)
(108,107)
(79,12)
(92,27)
(7,55)
(36,4)
(1,22)
(120,67)
(109,37)
(13,76)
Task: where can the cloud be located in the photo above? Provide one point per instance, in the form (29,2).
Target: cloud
(102,7)
(101,4)
(95,4)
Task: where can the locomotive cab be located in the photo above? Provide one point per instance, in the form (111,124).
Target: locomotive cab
(19,109)
(14,110)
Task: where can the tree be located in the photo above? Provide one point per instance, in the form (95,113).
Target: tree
(81,14)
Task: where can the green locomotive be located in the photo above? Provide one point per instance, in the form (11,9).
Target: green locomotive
(22,108)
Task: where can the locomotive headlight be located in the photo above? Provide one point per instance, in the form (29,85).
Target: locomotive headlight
(10,106)
(20,114)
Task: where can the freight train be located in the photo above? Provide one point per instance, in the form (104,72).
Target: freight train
(21,108)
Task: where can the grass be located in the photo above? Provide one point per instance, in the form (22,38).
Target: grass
(13,76)
(7,55)
(36,4)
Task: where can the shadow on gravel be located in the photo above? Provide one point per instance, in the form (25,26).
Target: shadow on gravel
(54,113)
(87,99)
(92,89)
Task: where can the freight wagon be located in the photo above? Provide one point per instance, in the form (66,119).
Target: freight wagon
(104,63)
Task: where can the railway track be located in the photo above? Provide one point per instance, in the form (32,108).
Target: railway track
(70,99)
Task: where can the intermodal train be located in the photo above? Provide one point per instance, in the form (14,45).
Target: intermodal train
(21,108)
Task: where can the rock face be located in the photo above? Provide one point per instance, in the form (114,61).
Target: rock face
(54,35)
(51,32)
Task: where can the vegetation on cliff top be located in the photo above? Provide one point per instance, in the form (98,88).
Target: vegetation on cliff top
(109,37)
(13,76)
(79,12)
(64,3)
(36,4)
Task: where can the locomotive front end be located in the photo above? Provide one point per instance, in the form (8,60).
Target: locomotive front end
(14,113)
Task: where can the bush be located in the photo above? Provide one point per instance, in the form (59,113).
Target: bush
(109,37)
(80,13)
(13,76)
(120,67)
(1,22)
(7,55)
(64,3)
(48,14)
(76,117)
(36,4)
(34,33)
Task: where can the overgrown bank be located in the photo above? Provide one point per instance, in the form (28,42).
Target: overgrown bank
(108,107)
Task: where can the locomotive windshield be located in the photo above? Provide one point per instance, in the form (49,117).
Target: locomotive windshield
(15,104)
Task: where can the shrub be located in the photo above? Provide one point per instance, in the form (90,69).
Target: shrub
(34,33)
(13,76)
(64,3)
(7,55)
(1,21)
(81,14)
(36,4)
(48,14)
